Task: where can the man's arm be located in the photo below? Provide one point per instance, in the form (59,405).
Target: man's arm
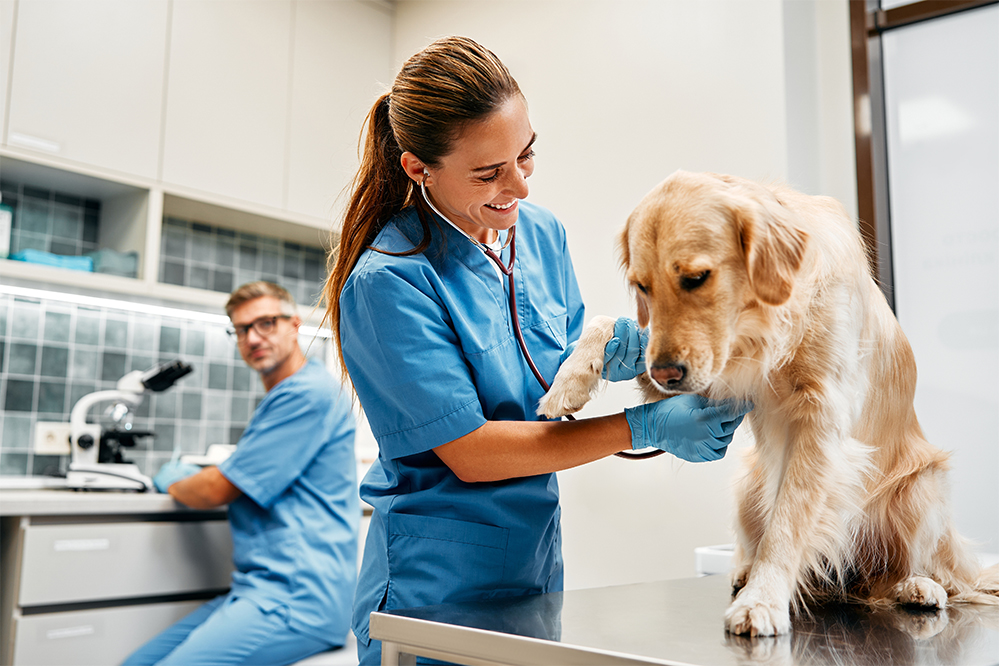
(207,489)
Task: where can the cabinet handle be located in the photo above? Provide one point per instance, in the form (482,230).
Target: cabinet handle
(81,544)
(69,632)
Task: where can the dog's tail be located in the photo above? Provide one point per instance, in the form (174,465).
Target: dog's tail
(984,590)
(989,580)
(970,583)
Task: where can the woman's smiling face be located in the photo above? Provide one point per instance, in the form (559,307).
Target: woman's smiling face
(478,184)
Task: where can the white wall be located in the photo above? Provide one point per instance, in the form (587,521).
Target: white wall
(622,93)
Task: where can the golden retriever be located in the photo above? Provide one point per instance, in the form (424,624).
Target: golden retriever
(757,292)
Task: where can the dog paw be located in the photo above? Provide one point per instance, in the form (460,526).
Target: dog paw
(751,616)
(572,388)
(921,591)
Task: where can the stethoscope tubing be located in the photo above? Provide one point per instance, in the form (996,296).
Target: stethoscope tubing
(508,270)
(516,321)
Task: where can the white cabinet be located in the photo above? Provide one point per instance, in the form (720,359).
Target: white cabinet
(87,81)
(93,637)
(251,104)
(92,589)
(244,114)
(123,560)
(227,100)
(341,54)
(7,10)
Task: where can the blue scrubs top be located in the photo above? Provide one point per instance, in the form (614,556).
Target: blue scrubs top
(430,348)
(295,527)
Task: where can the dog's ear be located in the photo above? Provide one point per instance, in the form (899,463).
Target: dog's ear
(642,311)
(623,253)
(773,248)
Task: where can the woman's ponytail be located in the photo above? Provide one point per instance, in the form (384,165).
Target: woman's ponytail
(380,190)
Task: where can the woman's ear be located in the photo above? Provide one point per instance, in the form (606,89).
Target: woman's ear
(414,168)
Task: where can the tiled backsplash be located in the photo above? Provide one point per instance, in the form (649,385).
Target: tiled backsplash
(198,255)
(51,221)
(52,353)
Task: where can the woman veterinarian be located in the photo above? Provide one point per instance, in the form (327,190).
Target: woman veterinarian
(466,504)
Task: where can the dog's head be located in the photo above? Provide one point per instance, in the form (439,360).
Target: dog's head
(700,251)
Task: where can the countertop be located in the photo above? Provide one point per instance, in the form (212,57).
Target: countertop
(681,622)
(64,502)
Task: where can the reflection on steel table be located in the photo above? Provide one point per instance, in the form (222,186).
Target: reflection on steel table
(679,622)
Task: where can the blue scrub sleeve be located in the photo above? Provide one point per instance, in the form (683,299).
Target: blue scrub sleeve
(279,443)
(406,363)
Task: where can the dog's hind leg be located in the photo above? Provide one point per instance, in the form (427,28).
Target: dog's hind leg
(580,375)
(940,568)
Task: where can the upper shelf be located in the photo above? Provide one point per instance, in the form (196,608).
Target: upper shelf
(90,181)
(132,219)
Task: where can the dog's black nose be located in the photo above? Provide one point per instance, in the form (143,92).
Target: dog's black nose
(668,375)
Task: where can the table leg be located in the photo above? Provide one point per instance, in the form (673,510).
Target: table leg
(393,656)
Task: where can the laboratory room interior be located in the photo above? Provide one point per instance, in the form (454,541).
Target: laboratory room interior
(157,156)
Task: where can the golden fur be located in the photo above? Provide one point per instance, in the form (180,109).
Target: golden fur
(843,497)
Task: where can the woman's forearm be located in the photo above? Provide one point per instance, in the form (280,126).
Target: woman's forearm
(510,449)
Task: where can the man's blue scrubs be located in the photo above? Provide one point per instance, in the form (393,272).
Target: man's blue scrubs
(294,535)
(430,347)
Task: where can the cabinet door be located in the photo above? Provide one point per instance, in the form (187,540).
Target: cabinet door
(227,99)
(341,62)
(87,82)
(6,36)
(100,637)
(79,563)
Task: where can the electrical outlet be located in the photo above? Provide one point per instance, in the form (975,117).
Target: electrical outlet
(52,438)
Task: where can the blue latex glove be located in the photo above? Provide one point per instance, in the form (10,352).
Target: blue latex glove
(689,426)
(172,472)
(624,355)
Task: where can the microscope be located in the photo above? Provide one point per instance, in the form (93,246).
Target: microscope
(97,461)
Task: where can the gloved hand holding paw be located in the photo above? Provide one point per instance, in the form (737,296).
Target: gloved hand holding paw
(624,354)
(689,426)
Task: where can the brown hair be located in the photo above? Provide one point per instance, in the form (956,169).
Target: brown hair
(252,290)
(449,85)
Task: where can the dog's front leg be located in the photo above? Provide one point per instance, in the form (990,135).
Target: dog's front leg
(580,375)
(761,608)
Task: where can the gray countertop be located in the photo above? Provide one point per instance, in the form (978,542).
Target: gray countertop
(681,622)
(63,502)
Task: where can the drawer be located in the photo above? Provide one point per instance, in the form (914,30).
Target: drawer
(91,562)
(104,636)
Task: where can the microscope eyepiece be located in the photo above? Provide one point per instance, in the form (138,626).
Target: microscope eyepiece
(163,377)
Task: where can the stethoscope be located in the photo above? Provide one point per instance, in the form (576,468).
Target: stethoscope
(508,270)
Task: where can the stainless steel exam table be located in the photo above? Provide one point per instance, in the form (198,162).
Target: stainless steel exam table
(677,622)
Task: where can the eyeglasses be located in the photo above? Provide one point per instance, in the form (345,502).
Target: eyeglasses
(264,326)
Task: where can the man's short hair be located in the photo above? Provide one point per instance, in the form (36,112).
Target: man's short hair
(252,290)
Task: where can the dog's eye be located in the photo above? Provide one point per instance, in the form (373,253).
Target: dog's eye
(692,282)
(641,287)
